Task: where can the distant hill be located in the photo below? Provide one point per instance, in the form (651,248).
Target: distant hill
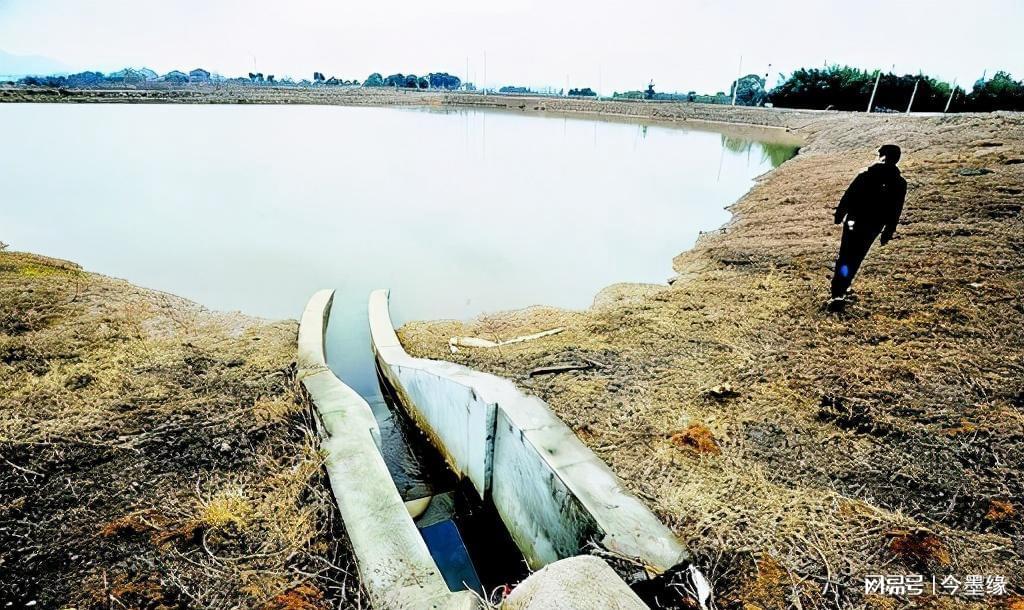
(23,65)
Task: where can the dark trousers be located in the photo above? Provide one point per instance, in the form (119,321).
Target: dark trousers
(852,250)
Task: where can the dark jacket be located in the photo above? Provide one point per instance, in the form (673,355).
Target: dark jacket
(874,200)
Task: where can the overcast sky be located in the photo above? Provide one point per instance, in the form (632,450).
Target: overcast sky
(682,45)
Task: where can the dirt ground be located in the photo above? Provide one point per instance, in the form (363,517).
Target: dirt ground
(154,454)
(798,452)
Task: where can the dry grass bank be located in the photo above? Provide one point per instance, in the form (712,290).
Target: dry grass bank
(154,454)
(797,452)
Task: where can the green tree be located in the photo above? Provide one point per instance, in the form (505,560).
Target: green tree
(1000,92)
(749,90)
(846,88)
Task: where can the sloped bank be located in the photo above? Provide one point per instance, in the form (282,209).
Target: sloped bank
(154,453)
(795,453)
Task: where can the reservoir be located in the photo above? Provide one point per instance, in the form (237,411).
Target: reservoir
(458,212)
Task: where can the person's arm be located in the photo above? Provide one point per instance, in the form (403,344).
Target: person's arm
(852,193)
(894,213)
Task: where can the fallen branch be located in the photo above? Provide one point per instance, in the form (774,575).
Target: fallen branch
(456,342)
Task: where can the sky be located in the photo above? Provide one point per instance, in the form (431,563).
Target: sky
(681,45)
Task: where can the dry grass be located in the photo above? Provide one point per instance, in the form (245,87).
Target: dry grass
(838,434)
(155,454)
(228,508)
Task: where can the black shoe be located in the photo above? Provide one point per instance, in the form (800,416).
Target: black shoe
(835,305)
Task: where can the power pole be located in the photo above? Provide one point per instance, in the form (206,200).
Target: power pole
(485,72)
(950,100)
(874,90)
(912,94)
(736,85)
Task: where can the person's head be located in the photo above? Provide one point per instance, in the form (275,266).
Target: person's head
(889,153)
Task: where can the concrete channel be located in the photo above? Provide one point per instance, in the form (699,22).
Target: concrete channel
(553,495)
(395,566)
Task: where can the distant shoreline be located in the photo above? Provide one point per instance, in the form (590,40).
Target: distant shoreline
(776,125)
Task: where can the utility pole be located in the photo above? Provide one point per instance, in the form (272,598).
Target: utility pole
(874,90)
(466,84)
(485,72)
(736,85)
(950,100)
(912,94)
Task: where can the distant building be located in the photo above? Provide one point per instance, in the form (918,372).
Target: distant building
(128,75)
(176,77)
(199,76)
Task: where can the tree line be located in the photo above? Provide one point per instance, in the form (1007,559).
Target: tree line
(846,88)
(128,76)
(434,80)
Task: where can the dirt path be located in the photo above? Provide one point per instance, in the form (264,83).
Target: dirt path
(154,454)
(797,452)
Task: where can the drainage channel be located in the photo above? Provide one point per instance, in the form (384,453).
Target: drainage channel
(436,541)
(464,534)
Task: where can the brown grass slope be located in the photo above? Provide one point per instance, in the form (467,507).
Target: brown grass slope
(797,452)
(154,454)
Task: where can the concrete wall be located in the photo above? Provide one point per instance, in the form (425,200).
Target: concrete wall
(452,415)
(552,492)
(395,567)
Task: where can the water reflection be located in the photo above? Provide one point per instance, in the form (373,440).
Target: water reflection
(771,153)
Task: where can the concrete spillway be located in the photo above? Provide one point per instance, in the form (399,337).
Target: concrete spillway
(554,495)
(395,566)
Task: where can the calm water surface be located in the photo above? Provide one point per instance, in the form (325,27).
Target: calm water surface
(458,212)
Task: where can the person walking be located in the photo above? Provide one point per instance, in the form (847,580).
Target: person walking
(871,207)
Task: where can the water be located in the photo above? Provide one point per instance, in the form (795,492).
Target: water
(459,212)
